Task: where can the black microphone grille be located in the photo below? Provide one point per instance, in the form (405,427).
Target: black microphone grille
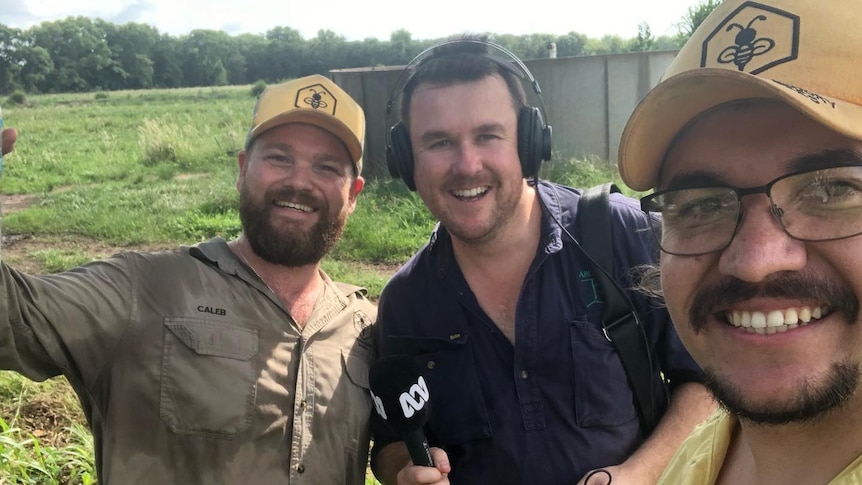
(400,392)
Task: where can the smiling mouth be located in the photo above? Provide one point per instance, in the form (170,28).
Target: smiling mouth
(294,205)
(471,193)
(775,321)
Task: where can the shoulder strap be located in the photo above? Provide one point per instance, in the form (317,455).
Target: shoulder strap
(620,321)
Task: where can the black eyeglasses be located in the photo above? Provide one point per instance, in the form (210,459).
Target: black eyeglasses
(811,205)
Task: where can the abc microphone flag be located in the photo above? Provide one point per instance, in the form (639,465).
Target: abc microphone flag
(401,398)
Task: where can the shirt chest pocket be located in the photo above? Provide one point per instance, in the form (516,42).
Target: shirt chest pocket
(208,377)
(602,393)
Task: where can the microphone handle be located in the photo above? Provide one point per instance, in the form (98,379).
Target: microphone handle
(417,446)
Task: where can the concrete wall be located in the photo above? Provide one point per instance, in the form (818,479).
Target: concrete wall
(587,101)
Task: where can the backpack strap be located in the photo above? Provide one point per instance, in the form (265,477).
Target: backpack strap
(620,322)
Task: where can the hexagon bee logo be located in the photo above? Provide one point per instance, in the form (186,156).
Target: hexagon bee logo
(752,39)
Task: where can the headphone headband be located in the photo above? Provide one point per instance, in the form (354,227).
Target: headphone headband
(522,72)
(533,132)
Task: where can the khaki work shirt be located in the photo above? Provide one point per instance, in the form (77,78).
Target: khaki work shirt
(190,370)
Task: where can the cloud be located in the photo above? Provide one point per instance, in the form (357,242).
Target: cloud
(137,11)
(16,12)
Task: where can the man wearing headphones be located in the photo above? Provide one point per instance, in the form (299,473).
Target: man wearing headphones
(499,308)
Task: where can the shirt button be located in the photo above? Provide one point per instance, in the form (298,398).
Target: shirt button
(302,405)
(431,364)
(300,468)
(524,375)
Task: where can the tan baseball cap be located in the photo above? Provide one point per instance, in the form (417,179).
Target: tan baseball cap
(315,100)
(806,53)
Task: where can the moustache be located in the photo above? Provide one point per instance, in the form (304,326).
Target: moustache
(288,194)
(731,291)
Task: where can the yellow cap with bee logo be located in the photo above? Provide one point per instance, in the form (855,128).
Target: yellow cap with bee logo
(802,52)
(315,100)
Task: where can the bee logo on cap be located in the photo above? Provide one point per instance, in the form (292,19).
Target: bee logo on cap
(316,97)
(753,38)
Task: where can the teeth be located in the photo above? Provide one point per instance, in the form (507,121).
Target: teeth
(470,192)
(775,321)
(294,205)
(758,320)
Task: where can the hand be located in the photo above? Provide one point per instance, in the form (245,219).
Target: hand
(8,136)
(426,475)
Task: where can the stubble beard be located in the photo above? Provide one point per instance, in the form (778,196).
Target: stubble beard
(284,245)
(505,207)
(813,399)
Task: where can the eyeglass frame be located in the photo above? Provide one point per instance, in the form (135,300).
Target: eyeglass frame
(656,215)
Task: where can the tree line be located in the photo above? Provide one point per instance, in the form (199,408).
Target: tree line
(80,54)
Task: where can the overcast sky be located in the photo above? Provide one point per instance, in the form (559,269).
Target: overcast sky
(358,20)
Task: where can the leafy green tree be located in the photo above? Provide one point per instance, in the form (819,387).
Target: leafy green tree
(79,51)
(283,54)
(532,46)
(35,65)
(693,18)
(167,62)
(253,52)
(609,44)
(10,44)
(401,48)
(644,40)
(571,44)
(665,43)
(204,52)
(132,46)
(325,52)
(80,54)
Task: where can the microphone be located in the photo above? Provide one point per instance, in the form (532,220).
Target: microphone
(400,396)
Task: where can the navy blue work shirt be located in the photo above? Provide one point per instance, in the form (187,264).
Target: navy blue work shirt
(556,404)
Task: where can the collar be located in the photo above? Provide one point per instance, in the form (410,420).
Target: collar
(215,251)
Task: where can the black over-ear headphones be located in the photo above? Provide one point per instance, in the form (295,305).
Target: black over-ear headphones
(534,134)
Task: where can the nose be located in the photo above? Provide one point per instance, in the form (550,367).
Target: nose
(298,175)
(761,247)
(469,160)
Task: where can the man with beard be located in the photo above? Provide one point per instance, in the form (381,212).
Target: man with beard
(753,144)
(500,310)
(225,362)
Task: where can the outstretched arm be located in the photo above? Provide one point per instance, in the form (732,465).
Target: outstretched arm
(690,405)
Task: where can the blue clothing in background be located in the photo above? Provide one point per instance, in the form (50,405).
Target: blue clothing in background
(558,403)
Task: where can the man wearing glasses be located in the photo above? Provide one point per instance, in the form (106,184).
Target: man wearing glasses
(753,144)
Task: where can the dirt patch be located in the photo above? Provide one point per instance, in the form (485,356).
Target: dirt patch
(22,251)
(14,203)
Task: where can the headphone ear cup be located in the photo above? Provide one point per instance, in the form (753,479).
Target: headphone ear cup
(399,155)
(532,141)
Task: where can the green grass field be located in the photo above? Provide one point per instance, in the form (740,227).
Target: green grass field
(155,169)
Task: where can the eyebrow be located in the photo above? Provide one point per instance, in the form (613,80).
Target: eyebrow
(438,134)
(320,157)
(832,157)
(698,178)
